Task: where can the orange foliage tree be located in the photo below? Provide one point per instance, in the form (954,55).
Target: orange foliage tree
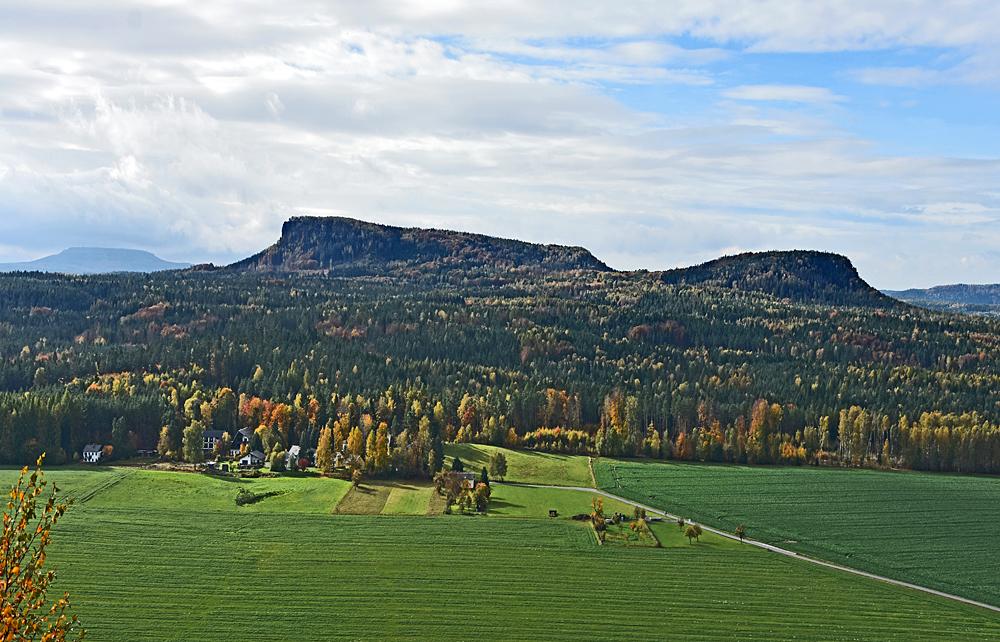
(26,613)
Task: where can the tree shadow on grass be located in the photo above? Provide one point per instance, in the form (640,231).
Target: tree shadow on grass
(499,503)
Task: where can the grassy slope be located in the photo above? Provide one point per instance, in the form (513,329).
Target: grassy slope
(522,501)
(525,466)
(932,529)
(140,567)
(387,498)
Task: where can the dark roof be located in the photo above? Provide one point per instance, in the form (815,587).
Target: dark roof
(93,448)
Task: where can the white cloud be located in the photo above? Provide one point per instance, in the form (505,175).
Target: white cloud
(194,129)
(783,93)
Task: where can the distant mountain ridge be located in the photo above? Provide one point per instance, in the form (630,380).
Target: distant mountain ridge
(95,260)
(348,246)
(799,275)
(959,297)
(335,243)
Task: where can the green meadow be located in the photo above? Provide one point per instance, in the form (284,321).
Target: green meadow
(149,555)
(525,466)
(932,529)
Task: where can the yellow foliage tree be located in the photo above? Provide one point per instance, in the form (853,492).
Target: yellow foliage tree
(25,610)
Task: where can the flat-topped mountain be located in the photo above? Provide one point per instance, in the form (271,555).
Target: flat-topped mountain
(95,260)
(799,275)
(348,246)
(960,297)
(344,244)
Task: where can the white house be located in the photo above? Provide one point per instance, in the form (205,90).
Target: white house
(92,453)
(253,459)
(292,457)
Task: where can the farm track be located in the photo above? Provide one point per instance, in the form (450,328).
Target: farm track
(115,479)
(774,549)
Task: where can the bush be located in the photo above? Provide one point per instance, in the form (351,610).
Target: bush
(245,497)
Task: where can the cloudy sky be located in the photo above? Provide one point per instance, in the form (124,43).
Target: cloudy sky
(656,133)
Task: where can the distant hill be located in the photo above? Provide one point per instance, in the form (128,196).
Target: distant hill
(961,297)
(95,260)
(349,245)
(799,275)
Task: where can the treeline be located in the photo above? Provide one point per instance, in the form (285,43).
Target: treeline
(599,363)
(934,441)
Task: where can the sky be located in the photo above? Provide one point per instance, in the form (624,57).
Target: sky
(656,134)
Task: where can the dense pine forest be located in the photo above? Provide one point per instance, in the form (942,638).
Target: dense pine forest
(388,358)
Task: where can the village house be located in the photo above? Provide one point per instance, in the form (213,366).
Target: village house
(469,479)
(92,453)
(292,457)
(210,439)
(253,459)
(241,439)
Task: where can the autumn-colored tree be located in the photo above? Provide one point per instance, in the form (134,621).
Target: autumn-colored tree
(163,445)
(597,513)
(356,477)
(221,449)
(498,465)
(356,442)
(26,613)
(324,451)
(370,450)
(380,457)
(692,532)
(741,532)
(194,437)
(481,497)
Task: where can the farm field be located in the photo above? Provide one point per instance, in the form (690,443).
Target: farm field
(510,500)
(525,466)
(152,565)
(387,498)
(932,529)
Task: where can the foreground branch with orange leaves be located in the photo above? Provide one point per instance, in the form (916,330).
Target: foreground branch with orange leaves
(25,610)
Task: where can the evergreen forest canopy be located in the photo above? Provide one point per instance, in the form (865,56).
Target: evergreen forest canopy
(384,342)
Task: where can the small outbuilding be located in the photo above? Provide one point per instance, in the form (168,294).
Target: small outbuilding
(469,479)
(253,459)
(92,453)
(292,457)
(553,512)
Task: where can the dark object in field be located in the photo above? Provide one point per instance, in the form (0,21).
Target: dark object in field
(553,512)
(245,497)
(581,517)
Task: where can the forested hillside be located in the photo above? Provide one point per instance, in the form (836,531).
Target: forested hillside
(352,246)
(581,360)
(797,275)
(970,299)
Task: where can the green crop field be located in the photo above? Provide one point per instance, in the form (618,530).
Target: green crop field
(523,501)
(526,466)
(169,556)
(932,529)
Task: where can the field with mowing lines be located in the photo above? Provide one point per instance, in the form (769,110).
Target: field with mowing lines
(525,466)
(387,498)
(170,575)
(150,564)
(409,498)
(937,530)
